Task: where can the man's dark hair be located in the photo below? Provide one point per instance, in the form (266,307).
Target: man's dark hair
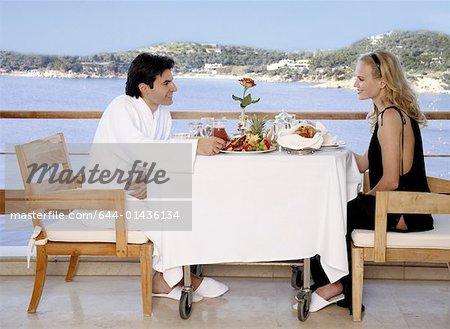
(144,69)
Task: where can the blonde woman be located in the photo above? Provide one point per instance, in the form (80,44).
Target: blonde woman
(394,159)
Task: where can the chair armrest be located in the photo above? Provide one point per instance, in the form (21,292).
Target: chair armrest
(396,202)
(113,200)
(418,203)
(76,199)
(438,185)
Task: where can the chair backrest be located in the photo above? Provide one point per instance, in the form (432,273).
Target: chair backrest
(51,153)
(394,202)
(51,156)
(438,185)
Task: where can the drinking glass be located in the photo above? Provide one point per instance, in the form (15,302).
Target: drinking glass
(207,127)
(195,129)
(242,123)
(219,129)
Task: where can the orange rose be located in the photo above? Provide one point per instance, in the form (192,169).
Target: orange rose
(245,101)
(247,82)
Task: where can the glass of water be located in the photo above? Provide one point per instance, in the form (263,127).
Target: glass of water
(207,127)
(195,129)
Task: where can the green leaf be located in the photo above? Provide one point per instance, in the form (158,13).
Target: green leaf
(247,100)
(256,101)
(236,98)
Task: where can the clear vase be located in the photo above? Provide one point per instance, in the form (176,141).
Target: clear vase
(242,122)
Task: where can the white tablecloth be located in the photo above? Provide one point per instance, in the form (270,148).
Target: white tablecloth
(268,207)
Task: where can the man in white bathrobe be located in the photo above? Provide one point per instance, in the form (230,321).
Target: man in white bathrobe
(139,117)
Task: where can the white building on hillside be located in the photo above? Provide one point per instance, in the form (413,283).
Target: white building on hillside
(375,39)
(211,48)
(298,65)
(212,68)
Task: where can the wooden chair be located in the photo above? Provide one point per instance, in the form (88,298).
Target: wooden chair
(81,240)
(381,246)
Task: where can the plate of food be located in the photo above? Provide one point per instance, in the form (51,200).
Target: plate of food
(249,152)
(300,137)
(252,142)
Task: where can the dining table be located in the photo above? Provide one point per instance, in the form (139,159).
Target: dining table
(269,206)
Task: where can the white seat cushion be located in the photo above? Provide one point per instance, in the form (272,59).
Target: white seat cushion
(77,231)
(438,238)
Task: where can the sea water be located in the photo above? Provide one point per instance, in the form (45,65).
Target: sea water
(25,93)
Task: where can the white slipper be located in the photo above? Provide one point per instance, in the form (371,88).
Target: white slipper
(318,303)
(175,294)
(211,288)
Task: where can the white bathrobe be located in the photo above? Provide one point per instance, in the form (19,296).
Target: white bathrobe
(129,120)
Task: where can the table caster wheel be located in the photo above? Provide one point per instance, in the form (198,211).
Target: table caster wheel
(185,306)
(304,300)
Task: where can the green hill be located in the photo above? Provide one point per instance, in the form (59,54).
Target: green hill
(421,53)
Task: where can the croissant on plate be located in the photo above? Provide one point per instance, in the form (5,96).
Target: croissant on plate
(305,131)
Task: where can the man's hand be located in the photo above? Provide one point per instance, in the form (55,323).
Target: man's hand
(137,190)
(210,145)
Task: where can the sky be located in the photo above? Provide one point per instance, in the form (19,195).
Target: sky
(88,27)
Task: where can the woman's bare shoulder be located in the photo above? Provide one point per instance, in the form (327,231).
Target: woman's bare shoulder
(390,117)
(390,124)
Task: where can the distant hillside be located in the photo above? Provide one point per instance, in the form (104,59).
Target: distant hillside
(189,57)
(421,53)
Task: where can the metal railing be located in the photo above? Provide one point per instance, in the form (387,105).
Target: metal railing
(186,115)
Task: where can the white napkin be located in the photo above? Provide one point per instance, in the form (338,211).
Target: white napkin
(287,138)
(328,139)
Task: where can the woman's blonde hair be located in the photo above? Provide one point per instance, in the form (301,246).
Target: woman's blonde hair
(397,90)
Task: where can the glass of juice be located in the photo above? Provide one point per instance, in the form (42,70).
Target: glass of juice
(219,129)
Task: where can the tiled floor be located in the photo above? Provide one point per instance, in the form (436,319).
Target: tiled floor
(115,302)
